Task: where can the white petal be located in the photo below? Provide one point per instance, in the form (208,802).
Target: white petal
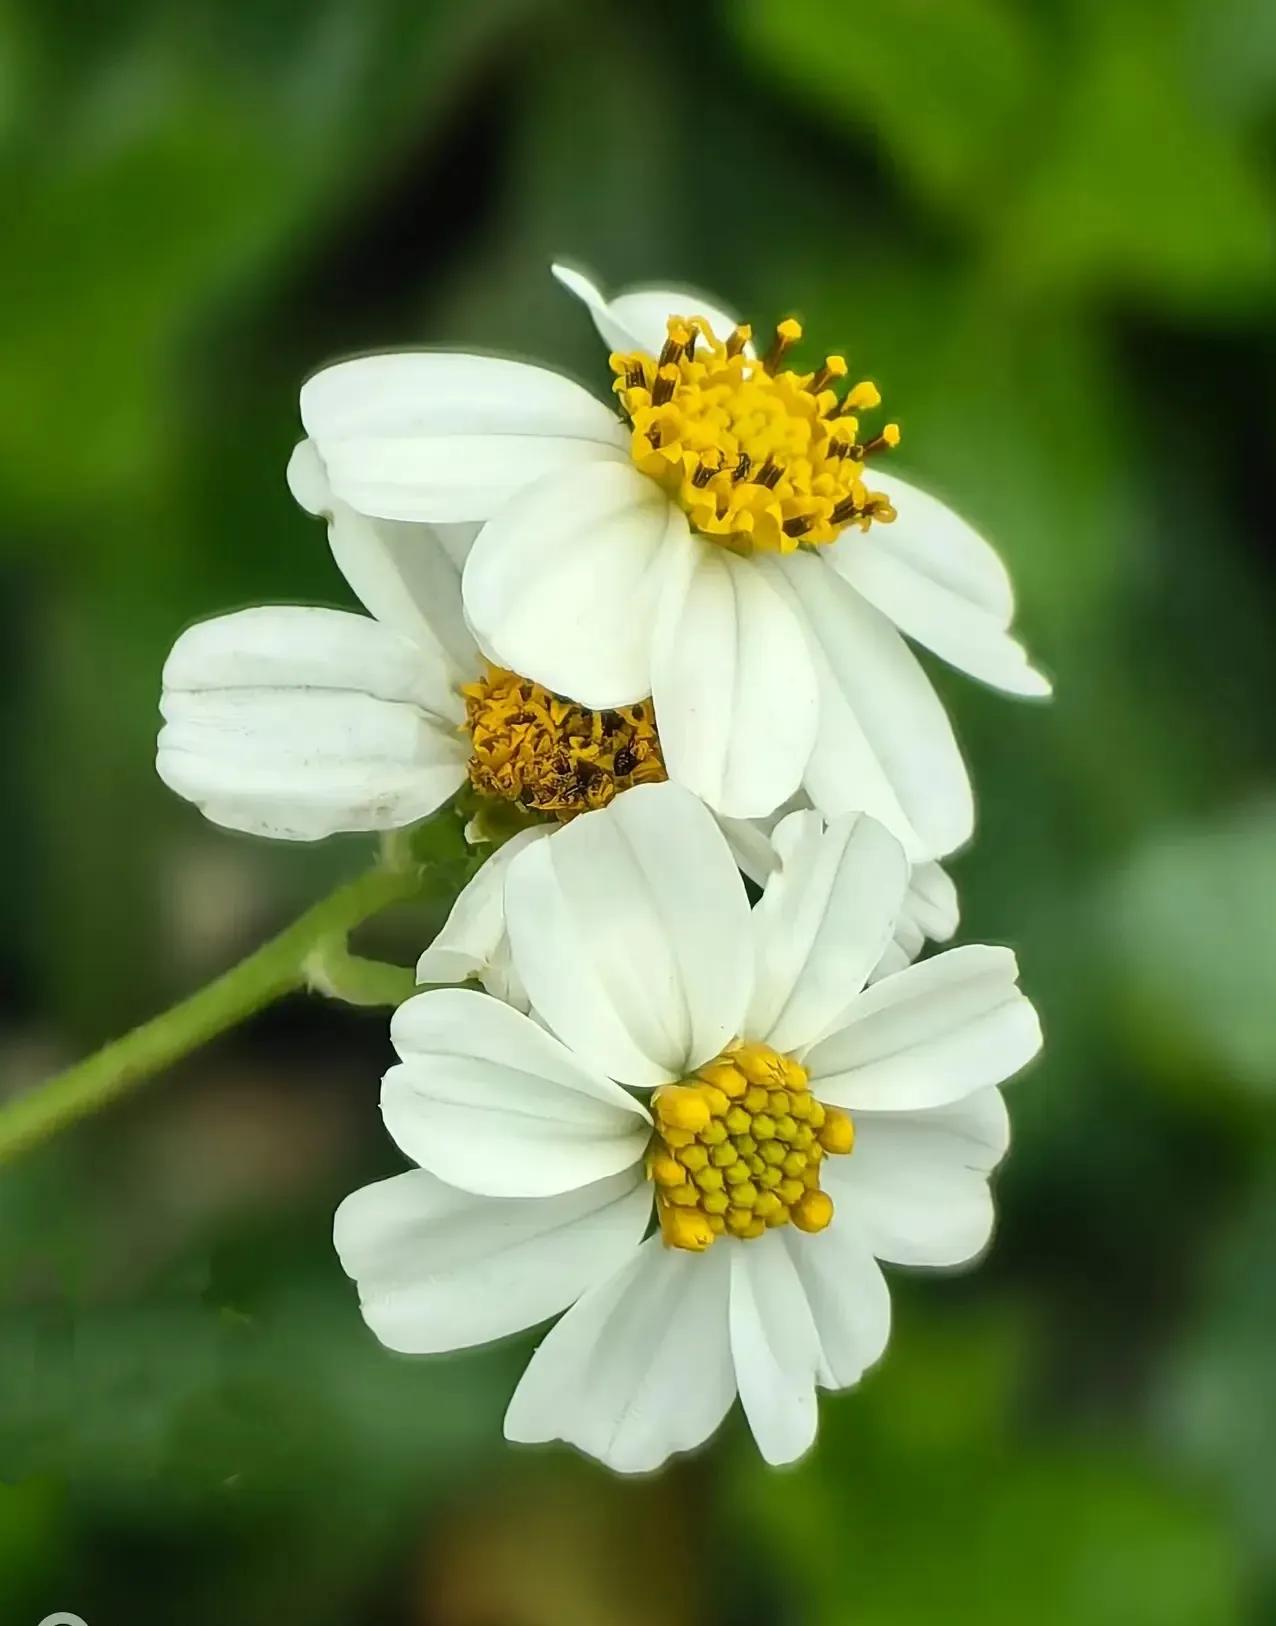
(408,576)
(734,686)
(885,746)
(915,1188)
(637,1369)
(638,320)
(932,901)
(442,1269)
(473,940)
(563,585)
(308,479)
(849,1300)
(940,582)
(444,437)
(775,1348)
(750,839)
(490,1102)
(750,847)
(822,923)
(630,932)
(295,722)
(929,911)
(929,1035)
(435,392)
(450,478)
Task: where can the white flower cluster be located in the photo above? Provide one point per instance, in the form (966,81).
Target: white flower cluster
(668,631)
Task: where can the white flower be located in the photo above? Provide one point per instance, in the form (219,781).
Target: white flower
(298,722)
(473,943)
(773,660)
(539,1169)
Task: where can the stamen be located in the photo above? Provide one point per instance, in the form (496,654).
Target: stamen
(738,337)
(863,398)
(761,458)
(666,383)
(769,474)
(787,334)
(673,346)
(834,367)
(847,509)
(887,441)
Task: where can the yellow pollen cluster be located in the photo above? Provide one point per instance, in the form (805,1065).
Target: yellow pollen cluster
(552,757)
(758,457)
(737,1149)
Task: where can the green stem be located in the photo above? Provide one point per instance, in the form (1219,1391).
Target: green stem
(332,970)
(279,967)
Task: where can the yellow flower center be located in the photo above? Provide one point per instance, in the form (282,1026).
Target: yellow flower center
(758,457)
(737,1149)
(552,757)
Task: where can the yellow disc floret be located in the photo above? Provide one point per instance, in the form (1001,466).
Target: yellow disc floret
(758,457)
(737,1149)
(553,757)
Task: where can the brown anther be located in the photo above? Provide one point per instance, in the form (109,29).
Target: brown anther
(703,475)
(847,509)
(887,441)
(787,333)
(738,337)
(635,377)
(799,525)
(742,468)
(834,367)
(666,382)
(672,348)
(769,474)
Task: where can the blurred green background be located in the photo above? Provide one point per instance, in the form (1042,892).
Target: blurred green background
(1049,230)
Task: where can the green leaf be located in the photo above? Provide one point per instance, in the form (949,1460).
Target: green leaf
(973,1523)
(1191,927)
(1141,187)
(945,87)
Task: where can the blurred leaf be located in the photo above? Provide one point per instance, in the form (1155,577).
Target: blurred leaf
(1216,1399)
(184,157)
(1191,925)
(33,1540)
(1229,48)
(944,85)
(1112,174)
(886,1525)
(1141,188)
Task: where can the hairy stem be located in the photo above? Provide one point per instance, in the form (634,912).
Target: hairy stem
(279,967)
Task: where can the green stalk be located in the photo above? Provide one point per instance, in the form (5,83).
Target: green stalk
(292,960)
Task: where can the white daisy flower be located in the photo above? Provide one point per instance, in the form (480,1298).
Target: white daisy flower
(298,722)
(801,1128)
(473,942)
(719,546)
